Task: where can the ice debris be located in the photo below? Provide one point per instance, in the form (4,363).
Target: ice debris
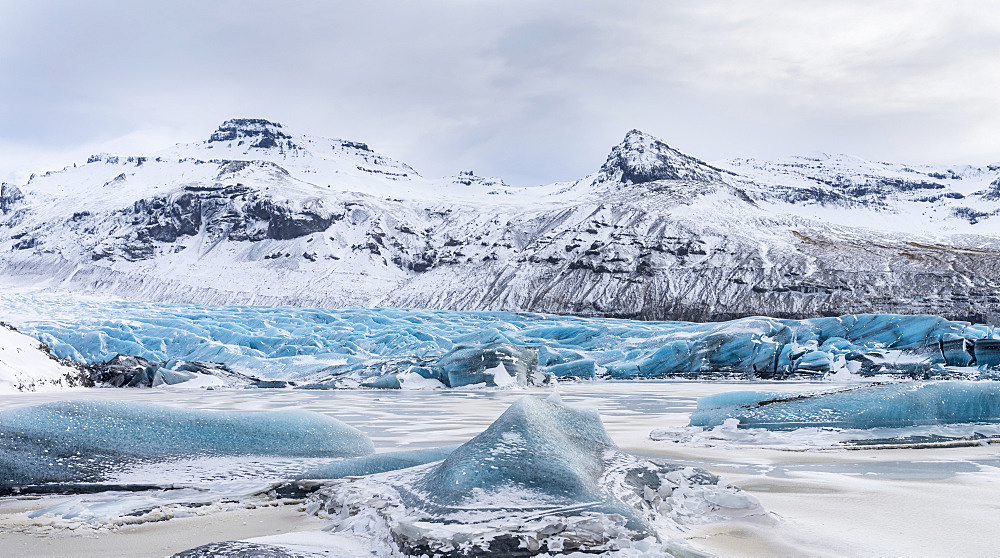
(133,371)
(544,477)
(87,441)
(865,407)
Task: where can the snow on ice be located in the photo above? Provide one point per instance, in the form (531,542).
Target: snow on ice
(25,366)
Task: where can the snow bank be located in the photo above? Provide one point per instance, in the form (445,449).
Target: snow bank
(24,366)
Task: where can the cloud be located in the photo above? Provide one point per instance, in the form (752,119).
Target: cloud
(531,91)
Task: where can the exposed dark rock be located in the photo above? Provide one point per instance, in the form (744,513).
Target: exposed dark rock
(135,371)
(9,196)
(640,159)
(258,132)
(237,549)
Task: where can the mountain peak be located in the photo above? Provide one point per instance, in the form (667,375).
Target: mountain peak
(642,158)
(256,132)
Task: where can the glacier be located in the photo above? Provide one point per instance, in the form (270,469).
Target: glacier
(393,348)
(544,477)
(89,441)
(893,405)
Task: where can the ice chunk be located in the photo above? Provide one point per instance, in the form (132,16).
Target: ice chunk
(85,441)
(872,406)
(987,352)
(957,350)
(544,477)
(475,365)
(583,368)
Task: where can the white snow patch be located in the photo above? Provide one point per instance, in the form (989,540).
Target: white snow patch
(25,367)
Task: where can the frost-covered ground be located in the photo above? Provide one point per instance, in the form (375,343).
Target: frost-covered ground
(830,501)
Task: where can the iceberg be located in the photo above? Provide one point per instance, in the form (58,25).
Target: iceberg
(544,477)
(88,441)
(493,365)
(496,364)
(866,407)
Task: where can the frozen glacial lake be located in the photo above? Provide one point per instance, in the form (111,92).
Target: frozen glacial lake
(630,410)
(889,501)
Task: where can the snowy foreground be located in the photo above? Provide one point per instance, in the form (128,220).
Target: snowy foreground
(526,434)
(828,501)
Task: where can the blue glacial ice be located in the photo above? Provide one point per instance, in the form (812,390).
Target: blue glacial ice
(376,463)
(411,348)
(544,477)
(89,441)
(893,405)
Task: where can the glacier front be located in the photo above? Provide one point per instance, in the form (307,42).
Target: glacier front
(417,348)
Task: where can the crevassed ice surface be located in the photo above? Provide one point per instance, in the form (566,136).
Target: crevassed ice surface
(302,343)
(90,441)
(865,407)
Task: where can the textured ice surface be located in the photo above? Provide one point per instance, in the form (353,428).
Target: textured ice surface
(377,463)
(875,406)
(116,508)
(385,348)
(89,441)
(730,435)
(542,477)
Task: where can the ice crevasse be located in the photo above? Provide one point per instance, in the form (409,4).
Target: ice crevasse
(408,348)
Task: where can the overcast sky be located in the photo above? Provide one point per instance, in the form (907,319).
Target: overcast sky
(530,91)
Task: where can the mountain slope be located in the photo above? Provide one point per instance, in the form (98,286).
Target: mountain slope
(258,215)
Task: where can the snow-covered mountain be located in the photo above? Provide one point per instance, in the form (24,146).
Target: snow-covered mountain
(259,215)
